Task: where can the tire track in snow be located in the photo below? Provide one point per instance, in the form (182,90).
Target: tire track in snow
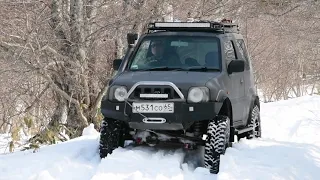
(140,163)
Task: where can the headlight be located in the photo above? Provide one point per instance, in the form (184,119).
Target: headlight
(198,94)
(118,92)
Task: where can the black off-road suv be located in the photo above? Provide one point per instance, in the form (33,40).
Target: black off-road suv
(189,83)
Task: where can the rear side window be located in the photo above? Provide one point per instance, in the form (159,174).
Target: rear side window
(229,51)
(243,52)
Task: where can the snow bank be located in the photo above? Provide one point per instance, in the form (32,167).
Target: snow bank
(4,143)
(75,159)
(294,120)
(90,131)
(289,149)
(265,160)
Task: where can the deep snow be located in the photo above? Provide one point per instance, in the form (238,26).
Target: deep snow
(289,149)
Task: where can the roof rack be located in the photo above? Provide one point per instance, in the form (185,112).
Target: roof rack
(224,26)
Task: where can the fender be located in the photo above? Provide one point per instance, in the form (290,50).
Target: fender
(219,96)
(254,99)
(217,90)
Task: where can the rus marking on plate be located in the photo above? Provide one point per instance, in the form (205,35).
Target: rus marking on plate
(153,107)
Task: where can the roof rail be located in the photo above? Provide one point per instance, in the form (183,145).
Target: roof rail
(224,26)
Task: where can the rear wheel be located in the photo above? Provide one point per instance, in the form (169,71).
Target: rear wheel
(255,123)
(218,132)
(111,136)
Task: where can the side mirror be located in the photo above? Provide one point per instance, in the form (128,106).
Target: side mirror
(116,64)
(236,66)
(131,38)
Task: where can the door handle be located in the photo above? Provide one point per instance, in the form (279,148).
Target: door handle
(241,80)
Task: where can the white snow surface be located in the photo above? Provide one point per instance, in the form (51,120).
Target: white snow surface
(90,131)
(289,149)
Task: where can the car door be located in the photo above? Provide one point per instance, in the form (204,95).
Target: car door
(237,90)
(248,78)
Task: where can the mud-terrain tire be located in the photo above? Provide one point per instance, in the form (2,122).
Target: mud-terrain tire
(255,123)
(218,132)
(111,136)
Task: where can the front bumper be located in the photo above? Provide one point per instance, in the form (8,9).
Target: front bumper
(183,117)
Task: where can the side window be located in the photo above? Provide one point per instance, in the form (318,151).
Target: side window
(229,51)
(243,52)
(141,54)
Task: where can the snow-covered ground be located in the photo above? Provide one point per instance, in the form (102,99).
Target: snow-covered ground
(289,149)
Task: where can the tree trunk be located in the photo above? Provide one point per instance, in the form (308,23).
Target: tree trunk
(60,113)
(74,124)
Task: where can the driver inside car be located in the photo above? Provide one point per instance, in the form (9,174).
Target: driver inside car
(161,56)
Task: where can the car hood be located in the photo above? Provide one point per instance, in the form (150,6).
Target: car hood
(182,79)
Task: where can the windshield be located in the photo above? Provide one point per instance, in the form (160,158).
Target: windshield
(177,53)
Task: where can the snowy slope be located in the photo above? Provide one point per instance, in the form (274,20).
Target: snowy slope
(289,149)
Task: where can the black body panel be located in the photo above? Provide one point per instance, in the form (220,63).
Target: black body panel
(181,78)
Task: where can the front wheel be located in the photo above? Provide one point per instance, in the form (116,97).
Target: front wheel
(218,132)
(111,136)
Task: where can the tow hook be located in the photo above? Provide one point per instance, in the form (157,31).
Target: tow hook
(149,138)
(189,146)
(138,140)
(152,140)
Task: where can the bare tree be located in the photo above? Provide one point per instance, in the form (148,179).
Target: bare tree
(56,55)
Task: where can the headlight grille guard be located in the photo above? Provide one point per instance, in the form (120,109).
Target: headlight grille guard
(156,83)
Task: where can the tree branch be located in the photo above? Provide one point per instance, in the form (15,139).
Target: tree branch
(37,99)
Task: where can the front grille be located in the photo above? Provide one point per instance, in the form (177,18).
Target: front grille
(151,89)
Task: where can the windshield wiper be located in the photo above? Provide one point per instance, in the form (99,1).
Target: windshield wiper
(163,68)
(166,68)
(202,68)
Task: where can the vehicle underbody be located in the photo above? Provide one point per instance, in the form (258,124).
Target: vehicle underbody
(188,139)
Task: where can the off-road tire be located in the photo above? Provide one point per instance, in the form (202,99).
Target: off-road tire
(111,136)
(255,123)
(218,132)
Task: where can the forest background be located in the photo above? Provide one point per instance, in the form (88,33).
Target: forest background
(56,55)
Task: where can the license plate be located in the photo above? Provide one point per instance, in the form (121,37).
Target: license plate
(152,107)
